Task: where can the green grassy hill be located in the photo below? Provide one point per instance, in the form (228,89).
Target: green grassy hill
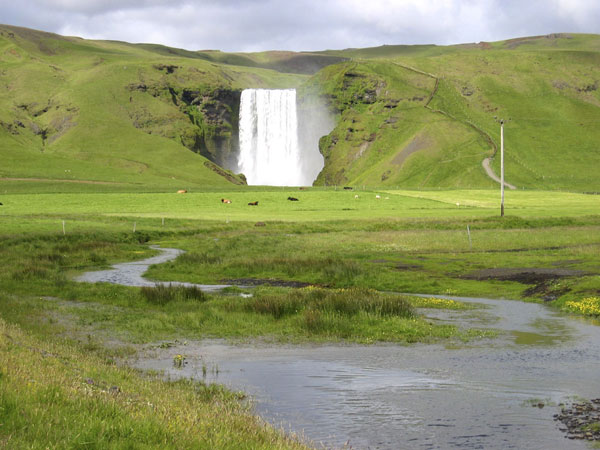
(430,114)
(152,117)
(114,112)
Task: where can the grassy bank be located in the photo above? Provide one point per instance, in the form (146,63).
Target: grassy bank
(58,395)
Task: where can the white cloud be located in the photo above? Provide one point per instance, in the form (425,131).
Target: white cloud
(251,25)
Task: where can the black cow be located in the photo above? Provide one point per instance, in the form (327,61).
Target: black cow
(292,199)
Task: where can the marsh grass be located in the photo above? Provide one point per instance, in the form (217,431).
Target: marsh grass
(346,302)
(162,294)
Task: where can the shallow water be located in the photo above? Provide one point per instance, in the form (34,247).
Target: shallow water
(130,273)
(476,395)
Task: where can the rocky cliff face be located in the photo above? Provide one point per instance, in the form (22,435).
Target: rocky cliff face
(202,118)
(217,122)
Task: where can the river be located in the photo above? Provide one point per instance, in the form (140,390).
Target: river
(493,393)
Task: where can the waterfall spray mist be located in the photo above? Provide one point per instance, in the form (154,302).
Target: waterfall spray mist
(269,150)
(279,143)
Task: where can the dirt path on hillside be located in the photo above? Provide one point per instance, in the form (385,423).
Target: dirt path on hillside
(490,173)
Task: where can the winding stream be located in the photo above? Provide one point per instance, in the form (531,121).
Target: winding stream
(477,395)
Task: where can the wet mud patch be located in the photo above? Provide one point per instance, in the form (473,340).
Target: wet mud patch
(403,266)
(267,282)
(545,281)
(528,275)
(581,420)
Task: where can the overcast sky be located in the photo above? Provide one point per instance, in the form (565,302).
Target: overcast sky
(255,25)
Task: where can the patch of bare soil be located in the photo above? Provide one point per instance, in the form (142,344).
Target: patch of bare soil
(545,281)
(404,266)
(418,143)
(526,275)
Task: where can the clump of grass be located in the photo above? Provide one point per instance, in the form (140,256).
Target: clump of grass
(347,302)
(276,305)
(342,272)
(31,271)
(199,258)
(162,294)
(179,361)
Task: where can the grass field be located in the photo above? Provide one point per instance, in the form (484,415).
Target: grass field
(59,340)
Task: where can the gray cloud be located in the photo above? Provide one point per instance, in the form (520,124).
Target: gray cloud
(254,25)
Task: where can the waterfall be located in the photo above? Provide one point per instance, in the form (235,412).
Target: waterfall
(269,149)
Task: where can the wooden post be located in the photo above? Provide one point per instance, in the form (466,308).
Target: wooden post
(163,221)
(502,168)
(64,232)
(469,234)
(134,223)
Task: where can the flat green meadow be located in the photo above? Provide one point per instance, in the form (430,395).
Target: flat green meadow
(335,266)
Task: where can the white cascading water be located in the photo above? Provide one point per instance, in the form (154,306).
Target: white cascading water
(269,150)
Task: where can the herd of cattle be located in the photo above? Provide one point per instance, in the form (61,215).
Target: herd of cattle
(291,199)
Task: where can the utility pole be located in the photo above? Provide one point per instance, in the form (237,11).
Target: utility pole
(501,168)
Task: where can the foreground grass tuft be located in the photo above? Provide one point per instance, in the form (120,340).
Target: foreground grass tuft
(55,395)
(347,302)
(162,294)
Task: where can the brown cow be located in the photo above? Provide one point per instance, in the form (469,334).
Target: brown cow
(182,191)
(225,200)
(253,203)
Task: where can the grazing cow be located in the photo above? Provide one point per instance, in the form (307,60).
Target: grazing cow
(260,224)
(347,188)
(292,199)
(253,203)
(378,197)
(302,188)
(182,191)
(356,196)
(225,200)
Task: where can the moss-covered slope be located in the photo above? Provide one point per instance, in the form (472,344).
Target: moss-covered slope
(427,116)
